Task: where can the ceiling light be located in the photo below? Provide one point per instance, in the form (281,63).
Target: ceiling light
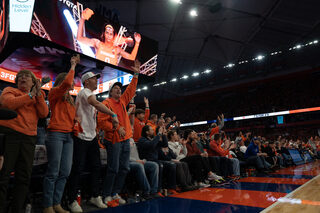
(145,88)
(185,77)
(173,80)
(176,1)
(207,71)
(315,41)
(260,57)
(195,74)
(193,13)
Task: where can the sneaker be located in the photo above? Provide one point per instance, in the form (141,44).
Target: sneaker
(213,176)
(110,202)
(75,207)
(59,209)
(97,201)
(117,197)
(203,185)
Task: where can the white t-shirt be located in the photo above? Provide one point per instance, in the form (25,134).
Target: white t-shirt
(87,114)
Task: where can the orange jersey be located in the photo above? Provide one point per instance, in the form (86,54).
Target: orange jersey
(107,54)
(29,110)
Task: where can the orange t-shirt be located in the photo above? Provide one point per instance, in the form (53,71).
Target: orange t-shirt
(138,125)
(29,110)
(62,112)
(118,107)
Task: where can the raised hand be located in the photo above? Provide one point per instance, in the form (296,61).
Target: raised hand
(75,60)
(137,37)
(87,13)
(136,67)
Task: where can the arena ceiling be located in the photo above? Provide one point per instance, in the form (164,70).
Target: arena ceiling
(225,31)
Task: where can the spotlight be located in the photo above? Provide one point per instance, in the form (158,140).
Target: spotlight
(173,80)
(195,74)
(315,41)
(145,88)
(207,71)
(185,77)
(193,13)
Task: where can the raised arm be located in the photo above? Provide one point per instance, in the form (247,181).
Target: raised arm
(86,14)
(132,56)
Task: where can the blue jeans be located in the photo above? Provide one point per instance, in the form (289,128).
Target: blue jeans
(147,175)
(235,166)
(118,155)
(41,135)
(59,150)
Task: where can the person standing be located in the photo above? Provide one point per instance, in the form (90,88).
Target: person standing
(20,135)
(117,140)
(59,143)
(86,147)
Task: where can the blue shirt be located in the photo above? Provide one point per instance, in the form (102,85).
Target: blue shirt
(252,150)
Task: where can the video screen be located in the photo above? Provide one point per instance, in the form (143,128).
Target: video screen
(46,61)
(73,25)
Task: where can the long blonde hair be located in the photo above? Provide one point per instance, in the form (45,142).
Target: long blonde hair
(59,79)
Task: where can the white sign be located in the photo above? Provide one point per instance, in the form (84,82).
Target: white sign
(20,15)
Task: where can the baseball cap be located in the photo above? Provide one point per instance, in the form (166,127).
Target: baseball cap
(88,75)
(115,84)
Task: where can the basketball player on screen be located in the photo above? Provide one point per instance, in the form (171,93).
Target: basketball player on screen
(105,48)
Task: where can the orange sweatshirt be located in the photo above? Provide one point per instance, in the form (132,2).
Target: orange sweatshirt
(213,132)
(138,125)
(118,107)
(29,110)
(153,126)
(62,112)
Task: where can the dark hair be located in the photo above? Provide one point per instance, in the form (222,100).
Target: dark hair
(144,131)
(153,116)
(139,111)
(271,142)
(103,38)
(216,137)
(167,119)
(170,134)
(187,133)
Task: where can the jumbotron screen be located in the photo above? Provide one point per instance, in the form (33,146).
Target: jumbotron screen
(73,25)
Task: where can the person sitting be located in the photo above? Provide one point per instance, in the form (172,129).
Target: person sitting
(183,174)
(254,157)
(146,172)
(217,150)
(148,147)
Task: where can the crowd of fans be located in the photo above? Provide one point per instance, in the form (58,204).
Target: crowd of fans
(149,150)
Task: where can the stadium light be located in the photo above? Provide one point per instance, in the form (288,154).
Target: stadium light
(259,57)
(195,74)
(193,13)
(185,77)
(176,1)
(174,80)
(207,71)
(145,88)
